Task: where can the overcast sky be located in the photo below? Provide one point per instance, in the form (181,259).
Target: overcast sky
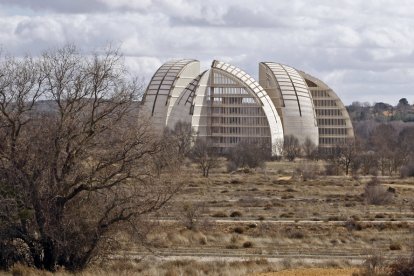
(363,49)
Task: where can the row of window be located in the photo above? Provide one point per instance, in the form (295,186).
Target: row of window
(331,122)
(254,111)
(247,121)
(220,79)
(331,141)
(320,94)
(227,91)
(328,112)
(236,140)
(332,131)
(232,100)
(324,102)
(246,131)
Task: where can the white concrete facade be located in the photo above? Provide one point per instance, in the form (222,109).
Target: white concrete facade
(227,106)
(165,87)
(293,100)
(334,124)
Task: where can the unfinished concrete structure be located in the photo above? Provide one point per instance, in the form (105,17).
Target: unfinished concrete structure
(334,123)
(292,98)
(165,87)
(227,106)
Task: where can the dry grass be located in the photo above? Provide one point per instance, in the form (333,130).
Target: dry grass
(313,272)
(159,268)
(271,212)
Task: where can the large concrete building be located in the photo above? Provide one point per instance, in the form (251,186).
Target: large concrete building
(227,106)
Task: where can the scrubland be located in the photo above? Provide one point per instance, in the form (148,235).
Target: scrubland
(285,215)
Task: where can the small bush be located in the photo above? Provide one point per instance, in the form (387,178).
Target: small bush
(203,240)
(331,169)
(287,215)
(231,166)
(247,155)
(190,214)
(295,234)
(307,170)
(375,193)
(219,215)
(13,252)
(235,214)
(403,266)
(407,170)
(238,230)
(374,265)
(351,225)
(267,207)
(395,246)
(247,244)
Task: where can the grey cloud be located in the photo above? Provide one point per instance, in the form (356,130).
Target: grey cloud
(63,6)
(355,47)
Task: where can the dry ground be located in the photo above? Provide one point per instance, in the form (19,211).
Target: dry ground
(270,219)
(312,272)
(273,212)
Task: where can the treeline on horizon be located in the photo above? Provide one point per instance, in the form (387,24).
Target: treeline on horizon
(381,112)
(384,139)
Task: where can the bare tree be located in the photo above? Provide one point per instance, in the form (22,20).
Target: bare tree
(369,163)
(383,140)
(190,214)
(375,193)
(181,138)
(75,159)
(348,155)
(250,155)
(404,153)
(205,155)
(277,147)
(344,157)
(309,148)
(291,147)
(175,146)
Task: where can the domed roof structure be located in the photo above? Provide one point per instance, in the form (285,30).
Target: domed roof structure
(227,106)
(292,98)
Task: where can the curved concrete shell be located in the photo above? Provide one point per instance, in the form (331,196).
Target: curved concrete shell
(292,98)
(183,107)
(240,109)
(334,123)
(227,106)
(201,120)
(165,87)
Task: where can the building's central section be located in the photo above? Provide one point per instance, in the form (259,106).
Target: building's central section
(236,113)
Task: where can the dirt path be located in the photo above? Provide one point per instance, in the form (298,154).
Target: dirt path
(296,222)
(312,272)
(408,186)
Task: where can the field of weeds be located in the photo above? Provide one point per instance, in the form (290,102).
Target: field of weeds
(275,211)
(269,219)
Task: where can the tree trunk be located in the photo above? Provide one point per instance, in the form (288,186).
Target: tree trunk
(49,255)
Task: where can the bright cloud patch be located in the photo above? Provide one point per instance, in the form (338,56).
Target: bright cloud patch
(363,48)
